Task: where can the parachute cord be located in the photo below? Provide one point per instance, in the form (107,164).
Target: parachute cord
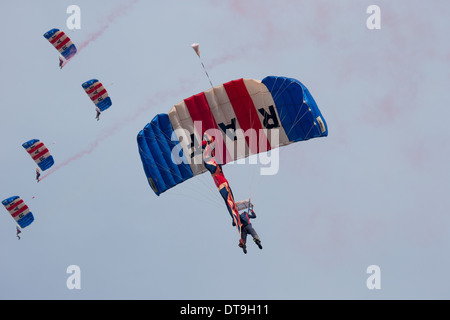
(206,72)
(298,119)
(158,139)
(205,196)
(252,179)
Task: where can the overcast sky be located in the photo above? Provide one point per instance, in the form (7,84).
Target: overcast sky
(374,192)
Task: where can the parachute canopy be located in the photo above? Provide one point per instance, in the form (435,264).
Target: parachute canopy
(19,211)
(39,153)
(98,94)
(246,117)
(61,42)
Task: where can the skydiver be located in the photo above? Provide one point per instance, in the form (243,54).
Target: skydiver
(38,174)
(215,169)
(248,229)
(18,232)
(61,62)
(98,113)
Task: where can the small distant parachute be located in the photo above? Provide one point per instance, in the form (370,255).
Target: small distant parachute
(196,48)
(19,211)
(98,94)
(247,117)
(61,42)
(39,153)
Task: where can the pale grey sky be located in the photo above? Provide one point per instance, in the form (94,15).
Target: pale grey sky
(374,192)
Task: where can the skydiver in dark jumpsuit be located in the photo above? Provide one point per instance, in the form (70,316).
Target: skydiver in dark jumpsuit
(98,113)
(247,228)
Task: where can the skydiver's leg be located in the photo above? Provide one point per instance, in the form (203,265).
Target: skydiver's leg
(244,235)
(243,240)
(252,231)
(255,236)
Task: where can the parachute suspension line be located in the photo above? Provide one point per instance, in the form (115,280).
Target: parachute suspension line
(204,196)
(206,72)
(278,93)
(251,179)
(208,196)
(298,119)
(195,46)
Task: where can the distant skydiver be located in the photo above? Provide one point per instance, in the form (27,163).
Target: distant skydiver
(38,174)
(18,232)
(98,113)
(62,61)
(248,229)
(210,162)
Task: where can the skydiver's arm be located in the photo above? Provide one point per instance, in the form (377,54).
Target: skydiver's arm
(252,215)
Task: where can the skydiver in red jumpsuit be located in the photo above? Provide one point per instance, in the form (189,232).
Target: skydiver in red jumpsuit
(215,169)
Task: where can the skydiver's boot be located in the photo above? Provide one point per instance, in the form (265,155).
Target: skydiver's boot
(258,242)
(243,246)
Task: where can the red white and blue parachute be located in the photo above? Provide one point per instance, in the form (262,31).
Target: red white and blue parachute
(97,93)
(19,211)
(61,42)
(258,115)
(39,153)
